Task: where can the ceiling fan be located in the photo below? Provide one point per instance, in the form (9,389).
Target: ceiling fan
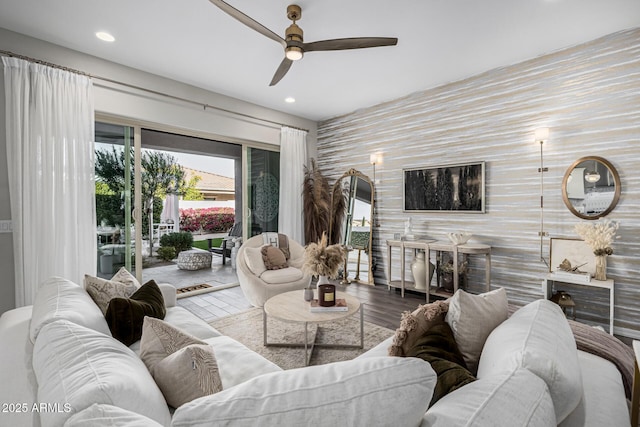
(293,44)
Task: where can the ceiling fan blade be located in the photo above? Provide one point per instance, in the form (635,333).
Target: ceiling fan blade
(248,21)
(350,43)
(281,71)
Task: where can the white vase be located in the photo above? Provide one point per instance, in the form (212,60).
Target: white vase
(419,271)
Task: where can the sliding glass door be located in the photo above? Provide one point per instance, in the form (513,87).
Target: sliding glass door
(262,186)
(115,229)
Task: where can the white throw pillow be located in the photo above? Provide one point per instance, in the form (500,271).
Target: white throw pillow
(59,298)
(472,318)
(511,399)
(101,415)
(381,391)
(253,259)
(537,337)
(77,367)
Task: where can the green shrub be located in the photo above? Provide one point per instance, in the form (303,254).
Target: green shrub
(180,241)
(167,253)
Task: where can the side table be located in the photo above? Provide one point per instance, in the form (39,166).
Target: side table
(551,278)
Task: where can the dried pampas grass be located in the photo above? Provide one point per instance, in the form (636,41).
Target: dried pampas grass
(321,259)
(316,201)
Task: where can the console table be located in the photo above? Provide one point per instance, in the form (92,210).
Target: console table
(439,247)
(550,279)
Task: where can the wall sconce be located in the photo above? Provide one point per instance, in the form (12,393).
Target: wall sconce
(375,159)
(541,136)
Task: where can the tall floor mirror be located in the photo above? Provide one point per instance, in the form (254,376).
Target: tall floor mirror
(352,222)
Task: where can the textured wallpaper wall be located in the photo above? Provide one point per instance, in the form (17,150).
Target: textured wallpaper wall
(589,97)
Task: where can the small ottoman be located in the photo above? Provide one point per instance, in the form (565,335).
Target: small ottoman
(194,259)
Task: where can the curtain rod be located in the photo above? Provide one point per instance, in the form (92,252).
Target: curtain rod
(155,92)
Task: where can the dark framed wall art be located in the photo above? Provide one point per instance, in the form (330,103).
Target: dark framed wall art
(449,188)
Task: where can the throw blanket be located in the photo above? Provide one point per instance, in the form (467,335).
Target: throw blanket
(279,241)
(608,347)
(604,345)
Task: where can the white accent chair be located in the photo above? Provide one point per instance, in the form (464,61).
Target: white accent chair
(259,284)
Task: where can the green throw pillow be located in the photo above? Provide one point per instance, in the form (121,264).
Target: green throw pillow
(126,315)
(438,347)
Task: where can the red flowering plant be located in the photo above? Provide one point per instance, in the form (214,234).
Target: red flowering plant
(208,220)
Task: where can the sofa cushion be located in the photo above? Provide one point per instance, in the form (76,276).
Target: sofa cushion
(59,298)
(76,366)
(285,275)
(253,259)
(472,318)
(415,324)
(363,392)
(537,337)
(125,315)
(438,347)
(509,399)
(236,363)
(101,415)
(273,258)
(603,400)
(187,374)
(102,291)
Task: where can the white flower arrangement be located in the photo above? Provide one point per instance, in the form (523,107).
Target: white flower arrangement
(598,235)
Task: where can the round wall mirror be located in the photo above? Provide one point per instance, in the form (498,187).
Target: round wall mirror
(591,187)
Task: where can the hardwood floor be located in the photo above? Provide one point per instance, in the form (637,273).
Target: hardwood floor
(381,306)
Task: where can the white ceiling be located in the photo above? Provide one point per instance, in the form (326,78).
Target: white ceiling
(193,41)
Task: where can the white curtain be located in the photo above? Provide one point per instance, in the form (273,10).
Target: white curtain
(50,156)
(293,158)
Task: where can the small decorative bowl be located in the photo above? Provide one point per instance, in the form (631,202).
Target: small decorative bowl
(459,238)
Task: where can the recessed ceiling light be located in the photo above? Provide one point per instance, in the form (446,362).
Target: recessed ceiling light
(104,36)
(290,99)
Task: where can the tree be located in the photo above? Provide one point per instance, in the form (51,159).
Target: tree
(160,174)
(190,192)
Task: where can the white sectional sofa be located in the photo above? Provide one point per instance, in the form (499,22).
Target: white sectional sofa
(60,366)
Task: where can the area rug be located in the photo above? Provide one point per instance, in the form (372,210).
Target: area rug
(246,327)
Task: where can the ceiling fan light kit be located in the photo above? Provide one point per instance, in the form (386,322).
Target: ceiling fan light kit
(293,43)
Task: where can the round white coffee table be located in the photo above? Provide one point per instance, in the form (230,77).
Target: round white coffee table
(291,307)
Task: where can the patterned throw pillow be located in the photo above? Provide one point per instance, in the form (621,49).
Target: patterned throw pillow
(122,285)
(184,367)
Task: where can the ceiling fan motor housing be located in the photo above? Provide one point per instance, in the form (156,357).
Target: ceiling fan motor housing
(294,38)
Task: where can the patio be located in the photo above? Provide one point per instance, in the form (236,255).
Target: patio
(218,276)
(204,305)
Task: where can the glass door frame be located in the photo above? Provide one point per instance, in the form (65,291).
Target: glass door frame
(137,189)
(246,185)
